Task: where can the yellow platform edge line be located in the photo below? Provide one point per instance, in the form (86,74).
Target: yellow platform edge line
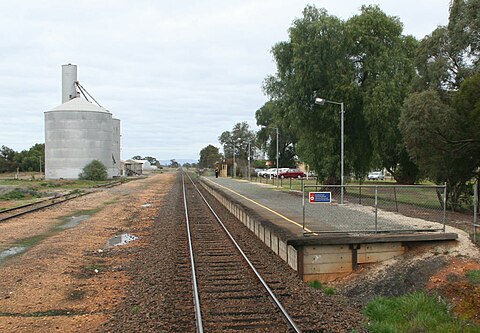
(260,205)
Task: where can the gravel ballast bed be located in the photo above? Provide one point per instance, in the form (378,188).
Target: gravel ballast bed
(159,301)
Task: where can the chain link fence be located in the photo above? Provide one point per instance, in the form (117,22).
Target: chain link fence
(475,212)
(295,184)
(373,208)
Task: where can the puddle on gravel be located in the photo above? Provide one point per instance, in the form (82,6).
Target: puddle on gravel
(24,244)
(12,251)
(73,221)
(121,239)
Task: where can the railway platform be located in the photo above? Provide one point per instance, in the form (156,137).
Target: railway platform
(321,241)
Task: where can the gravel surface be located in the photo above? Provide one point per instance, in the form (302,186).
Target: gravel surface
(71,280)
(153,303)
(350,216)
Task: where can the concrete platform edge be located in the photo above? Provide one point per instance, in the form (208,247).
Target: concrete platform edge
(274,237)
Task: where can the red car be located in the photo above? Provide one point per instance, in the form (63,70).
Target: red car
(291,173)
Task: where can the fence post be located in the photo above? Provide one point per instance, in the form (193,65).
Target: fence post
(360,193)
(475,210)
(444,205)
(376,209)
(395,195)
(303,208)
(290,183)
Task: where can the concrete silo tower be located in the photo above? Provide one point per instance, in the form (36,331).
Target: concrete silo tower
(78,132)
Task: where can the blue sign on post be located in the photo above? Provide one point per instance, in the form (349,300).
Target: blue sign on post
(322,197)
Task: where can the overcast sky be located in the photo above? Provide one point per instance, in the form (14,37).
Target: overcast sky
(177,73)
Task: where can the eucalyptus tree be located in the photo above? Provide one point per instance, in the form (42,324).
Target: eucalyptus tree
(451,53)
(270,118)
(239,138)
(384,63)
(441,119)
(32,159)
(313,59)
(7,159)
(209,156)
(367,64)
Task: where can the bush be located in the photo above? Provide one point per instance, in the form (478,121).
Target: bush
(95,170)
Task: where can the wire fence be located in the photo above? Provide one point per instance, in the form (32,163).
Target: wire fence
(288,183)
(423,202)
(373,208)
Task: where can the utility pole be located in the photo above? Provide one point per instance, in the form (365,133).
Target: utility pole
(249,173)
(234,168)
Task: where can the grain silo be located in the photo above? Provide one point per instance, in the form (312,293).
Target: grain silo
(78,132)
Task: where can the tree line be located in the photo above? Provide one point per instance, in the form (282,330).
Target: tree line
(32,159)
(412,106)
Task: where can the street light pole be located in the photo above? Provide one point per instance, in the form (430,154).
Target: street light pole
(322,101)
(278,183)
(249,175)
(342,112)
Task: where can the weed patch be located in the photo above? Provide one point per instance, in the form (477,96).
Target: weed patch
(93,267)
(416,312)
(48,313)
(20,194)
(318,285)
(135,309)
(473,276)
(89,212)
(31,241)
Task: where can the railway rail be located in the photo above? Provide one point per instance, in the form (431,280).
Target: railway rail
(31,207)
(229,293)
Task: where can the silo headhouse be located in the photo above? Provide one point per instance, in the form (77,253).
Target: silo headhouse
(78,132)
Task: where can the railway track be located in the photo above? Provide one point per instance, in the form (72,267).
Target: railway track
(31,207)
(229,293)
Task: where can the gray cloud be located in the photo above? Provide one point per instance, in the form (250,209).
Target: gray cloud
(176,74)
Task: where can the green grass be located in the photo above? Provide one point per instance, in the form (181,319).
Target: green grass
(48,313)
(63,183)
(93,267)
(326,290)
(20,194)
(419,197)
(473,276)
(31,241)
(416,312)
(93,211)
(135,309)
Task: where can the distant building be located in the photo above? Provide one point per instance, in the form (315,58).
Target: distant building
(136,167)
(133,168)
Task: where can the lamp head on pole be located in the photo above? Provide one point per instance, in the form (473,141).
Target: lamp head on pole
(320,101)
